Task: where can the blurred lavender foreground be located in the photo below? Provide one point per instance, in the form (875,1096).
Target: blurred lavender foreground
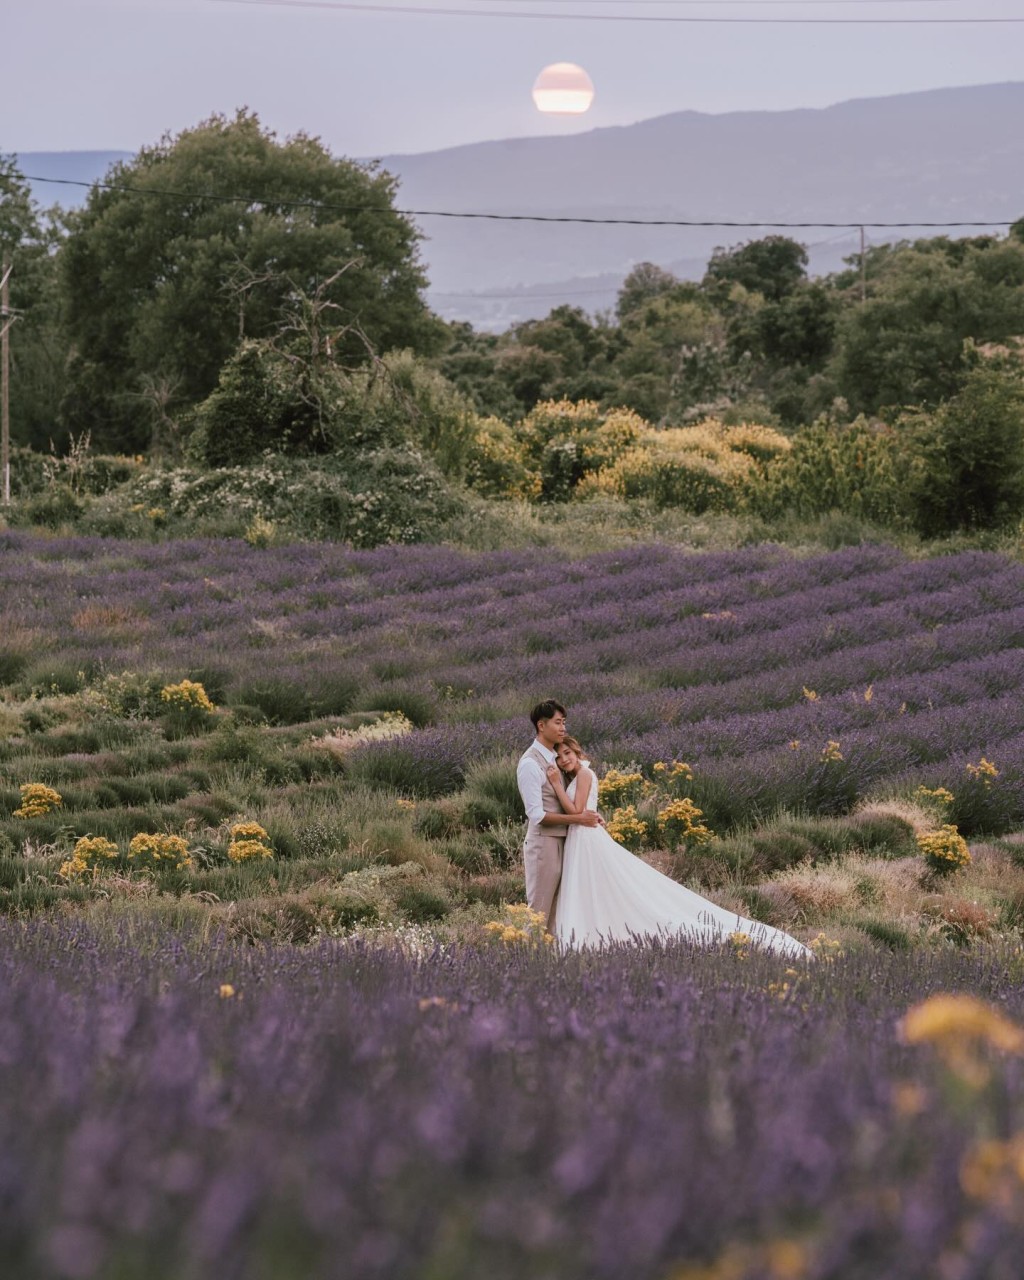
(171,1109)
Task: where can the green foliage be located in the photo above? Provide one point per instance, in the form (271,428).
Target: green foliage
(862,468)
(164,288)
(773,266)
(970,473)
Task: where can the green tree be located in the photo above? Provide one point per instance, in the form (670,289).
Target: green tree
(905,344)
(772,267)
(970,473)
(38,350)
(163,273)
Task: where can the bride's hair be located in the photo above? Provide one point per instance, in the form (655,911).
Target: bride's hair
(573,745)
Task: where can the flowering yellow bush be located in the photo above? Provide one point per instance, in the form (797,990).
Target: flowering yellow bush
(521,926)
(616,786)
(37,800)
(157,851)
(944,850)
(938,795)
(90,853)
(248,850)
(680,821)
(249,841)
(625,825)
(984,771)
(677,769)
(187,696)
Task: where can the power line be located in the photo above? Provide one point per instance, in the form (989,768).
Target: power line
(426,11)
(163,192)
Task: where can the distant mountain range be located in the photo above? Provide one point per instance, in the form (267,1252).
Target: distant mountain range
(938,156)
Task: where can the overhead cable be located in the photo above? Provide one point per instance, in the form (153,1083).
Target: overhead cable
(572,219)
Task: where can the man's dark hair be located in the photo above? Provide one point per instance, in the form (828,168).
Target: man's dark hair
(545,710)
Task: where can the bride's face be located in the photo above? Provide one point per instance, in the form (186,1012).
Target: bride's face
(568,760)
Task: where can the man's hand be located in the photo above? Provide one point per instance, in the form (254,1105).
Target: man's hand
(588,818)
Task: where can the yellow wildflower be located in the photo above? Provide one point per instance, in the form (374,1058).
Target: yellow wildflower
(248,850)
(944,850)
(810,695)
(37,800)
(156,851)
(226,991)
(188,695)
(830,751)
(984,771)
(625,825)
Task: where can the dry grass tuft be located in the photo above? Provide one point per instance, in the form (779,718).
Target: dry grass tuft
(918,817)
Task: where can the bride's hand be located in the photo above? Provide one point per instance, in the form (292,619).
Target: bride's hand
(554,775)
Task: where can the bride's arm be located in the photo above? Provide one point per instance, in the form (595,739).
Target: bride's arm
(584,781)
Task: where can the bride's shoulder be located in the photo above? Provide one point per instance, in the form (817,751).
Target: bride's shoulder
(585,774)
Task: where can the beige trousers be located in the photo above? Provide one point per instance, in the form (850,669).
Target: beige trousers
(542,859)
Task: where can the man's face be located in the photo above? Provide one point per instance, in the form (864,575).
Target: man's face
(553,729)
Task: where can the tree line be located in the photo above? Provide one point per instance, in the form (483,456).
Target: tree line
(225,295)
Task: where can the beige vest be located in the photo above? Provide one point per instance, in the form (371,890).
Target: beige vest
(548,799)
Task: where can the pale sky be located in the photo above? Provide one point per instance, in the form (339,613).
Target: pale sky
(116,74)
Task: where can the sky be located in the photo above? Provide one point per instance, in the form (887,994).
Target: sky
(119,74)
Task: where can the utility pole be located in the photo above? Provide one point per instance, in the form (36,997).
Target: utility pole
(6,320)
(863,270)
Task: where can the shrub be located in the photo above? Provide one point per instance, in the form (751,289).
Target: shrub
(492,790)
(37,800)
(970,473)
(159,852)
(861,469)
(945,850)
(420,904)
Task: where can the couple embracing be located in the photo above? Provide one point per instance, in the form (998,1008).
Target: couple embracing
(590,889)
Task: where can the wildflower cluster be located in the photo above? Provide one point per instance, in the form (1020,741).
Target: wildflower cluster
(249,841)
(625,826)
(945,850)
(679,821)
(520,926)
(826,949)
(90,854)
(984,771)
(642,809)
(187,696)
(830,752)
(37,800)
(158,851)
(935,795)
(617,787)
(392,724)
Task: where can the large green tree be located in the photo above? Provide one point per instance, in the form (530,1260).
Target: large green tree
(905,344)
(38,351)
(199,242)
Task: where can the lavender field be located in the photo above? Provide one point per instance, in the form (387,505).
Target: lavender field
(295,1048)
(746,664)
(180,1109)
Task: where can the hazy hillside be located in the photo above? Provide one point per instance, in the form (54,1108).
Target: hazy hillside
(942,155)
(947,154)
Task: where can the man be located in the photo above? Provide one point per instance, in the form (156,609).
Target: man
(545,836)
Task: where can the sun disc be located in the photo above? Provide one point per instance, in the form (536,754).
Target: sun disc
(563,89)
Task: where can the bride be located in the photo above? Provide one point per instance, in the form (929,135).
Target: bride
(607,894)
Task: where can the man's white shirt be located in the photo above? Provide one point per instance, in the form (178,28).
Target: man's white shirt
(531,778)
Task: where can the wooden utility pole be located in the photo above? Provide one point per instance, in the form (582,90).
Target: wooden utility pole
(6,320)
(863,270)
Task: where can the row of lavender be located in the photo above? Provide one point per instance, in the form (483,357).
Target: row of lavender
(175,1111)
(746,663)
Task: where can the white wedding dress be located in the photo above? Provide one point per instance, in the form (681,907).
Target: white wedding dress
(608,894)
